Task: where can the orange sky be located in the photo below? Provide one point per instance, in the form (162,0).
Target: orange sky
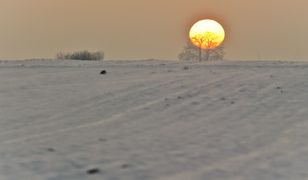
(137,29)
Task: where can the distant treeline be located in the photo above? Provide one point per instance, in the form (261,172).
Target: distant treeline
(82,55)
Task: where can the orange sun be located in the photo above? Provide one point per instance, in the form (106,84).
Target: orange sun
(207,34)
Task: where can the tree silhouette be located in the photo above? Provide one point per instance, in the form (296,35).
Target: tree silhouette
(205,42)
(192,52)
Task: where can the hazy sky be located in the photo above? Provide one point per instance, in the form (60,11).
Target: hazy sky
(137,29)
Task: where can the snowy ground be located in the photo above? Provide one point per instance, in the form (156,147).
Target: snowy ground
(153,120)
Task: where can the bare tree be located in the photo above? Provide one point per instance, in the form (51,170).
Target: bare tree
(192,52)
(206,42)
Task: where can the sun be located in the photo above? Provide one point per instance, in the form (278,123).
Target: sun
(207,34)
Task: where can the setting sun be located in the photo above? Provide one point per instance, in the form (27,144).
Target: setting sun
(207,34)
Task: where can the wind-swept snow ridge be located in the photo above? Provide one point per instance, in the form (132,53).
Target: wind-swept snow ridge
(153,120)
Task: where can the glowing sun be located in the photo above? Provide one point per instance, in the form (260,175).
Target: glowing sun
(207,34)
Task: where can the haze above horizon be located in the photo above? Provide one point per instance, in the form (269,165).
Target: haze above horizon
(138,29)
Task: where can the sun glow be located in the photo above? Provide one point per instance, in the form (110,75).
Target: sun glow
(207,34)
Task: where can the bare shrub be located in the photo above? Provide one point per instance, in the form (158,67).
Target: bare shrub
(82,55)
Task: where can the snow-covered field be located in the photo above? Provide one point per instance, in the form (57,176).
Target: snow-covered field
(153,120)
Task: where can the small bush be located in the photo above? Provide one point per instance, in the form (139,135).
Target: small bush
(82,55)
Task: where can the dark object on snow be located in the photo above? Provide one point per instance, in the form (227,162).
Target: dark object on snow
(185,68)
(50,149)
(223,98)
(93,171)
(125,166)
(102,140)
(103,72)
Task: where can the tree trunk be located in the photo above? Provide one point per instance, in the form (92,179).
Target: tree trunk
(207,54)
(200,53)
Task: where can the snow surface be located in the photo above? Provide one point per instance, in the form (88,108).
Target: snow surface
(153,120)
